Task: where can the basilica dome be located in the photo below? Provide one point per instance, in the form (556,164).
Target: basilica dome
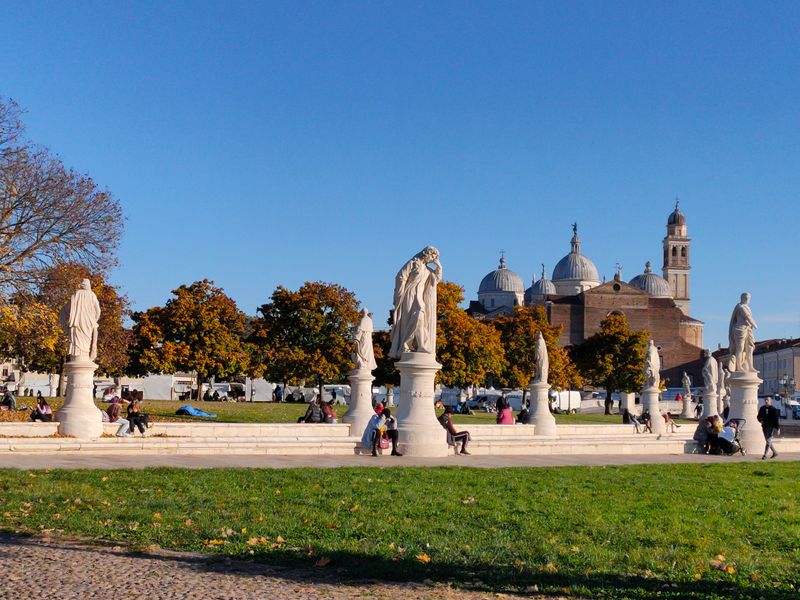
(654,285)
(575,266)
(539,289)
(502,279)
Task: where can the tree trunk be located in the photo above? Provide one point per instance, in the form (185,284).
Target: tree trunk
(199,388)
(609,401)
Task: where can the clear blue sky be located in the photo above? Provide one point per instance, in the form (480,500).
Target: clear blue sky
(259,144)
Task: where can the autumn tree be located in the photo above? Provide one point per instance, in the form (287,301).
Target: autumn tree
(199,329)
(613,358)
(49,214)
(31,335)
(468,349)
(385,373)
(307,335)
(518,336)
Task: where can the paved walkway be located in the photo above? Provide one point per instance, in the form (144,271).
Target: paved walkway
(135,461)
(59,569)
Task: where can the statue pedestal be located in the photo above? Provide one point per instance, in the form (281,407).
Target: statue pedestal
(360,411)
(686,413)
(709,405)
(419,432)
(744,405)
(541,417)
(651,404)
(79,417)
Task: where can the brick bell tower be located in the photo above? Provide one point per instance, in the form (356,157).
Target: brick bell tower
(676,268)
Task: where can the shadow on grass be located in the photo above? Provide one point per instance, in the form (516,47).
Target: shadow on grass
(347,568)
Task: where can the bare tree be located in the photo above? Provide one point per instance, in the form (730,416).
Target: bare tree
(49,215)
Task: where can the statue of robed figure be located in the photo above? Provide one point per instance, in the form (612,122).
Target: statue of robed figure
(414,314)
(364,356)
(740,335)
(542,360)
(79,318)
(652,368)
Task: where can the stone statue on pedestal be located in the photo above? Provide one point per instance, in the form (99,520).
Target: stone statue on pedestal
(364,356)
(542,360)
(652,367)
(414,314)
(79,318)
(687,386)
(740,335)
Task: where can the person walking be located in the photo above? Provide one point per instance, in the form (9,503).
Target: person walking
(770,420)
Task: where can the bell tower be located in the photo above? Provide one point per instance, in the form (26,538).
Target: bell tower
(676,268)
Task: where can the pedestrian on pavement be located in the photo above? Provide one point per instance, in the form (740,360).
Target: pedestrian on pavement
(770,420)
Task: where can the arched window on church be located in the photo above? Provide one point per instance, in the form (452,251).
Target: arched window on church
(674,251)
(683,251)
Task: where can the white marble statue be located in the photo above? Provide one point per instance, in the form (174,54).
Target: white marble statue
(652,367)
(414,315)
(364,356)
(79,318)
(740,335)
(710,376)
(687,385)
(542,360)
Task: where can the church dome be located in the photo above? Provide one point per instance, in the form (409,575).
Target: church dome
(654,285)
(676,217)
(540,289)
(501,280)
(575,265)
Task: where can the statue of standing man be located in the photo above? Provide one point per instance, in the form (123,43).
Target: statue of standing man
(414,315)
(364,356)
(79,318)
(740,335)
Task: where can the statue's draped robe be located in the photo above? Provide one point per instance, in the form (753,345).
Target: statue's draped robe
(365,353)
(542,361)
(79,319)
(414,327)
(710,376)
(740,337)
(653,366)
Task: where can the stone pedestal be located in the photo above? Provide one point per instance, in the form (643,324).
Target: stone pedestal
(709,405)
(686,411)
(540,416)
(79,417)
(419,432)
(651,404)
(744,405)
(627,400)
(360,411)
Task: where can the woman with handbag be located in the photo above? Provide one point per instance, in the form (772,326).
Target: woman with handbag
(391,432)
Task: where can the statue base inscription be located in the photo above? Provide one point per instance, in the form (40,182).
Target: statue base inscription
(744,405)
(419,432)
(652,405)
(360,411)
(79,417)
(541,417)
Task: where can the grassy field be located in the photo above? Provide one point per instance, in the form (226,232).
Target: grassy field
(269,412)
(670,531)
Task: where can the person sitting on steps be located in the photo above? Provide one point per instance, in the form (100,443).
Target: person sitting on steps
(453,436)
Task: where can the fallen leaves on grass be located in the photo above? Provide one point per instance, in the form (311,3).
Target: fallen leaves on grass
(424,558)
(468,500)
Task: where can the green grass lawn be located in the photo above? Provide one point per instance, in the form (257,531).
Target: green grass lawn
(668,531)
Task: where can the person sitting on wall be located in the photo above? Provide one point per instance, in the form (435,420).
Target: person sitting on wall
(391,430)
(645,420)
(313,414)
(523,416)
(504,415)
(373,431)
(9,400)
(329,412)
(42,412)
(113,411)
(136,417)
(453,436)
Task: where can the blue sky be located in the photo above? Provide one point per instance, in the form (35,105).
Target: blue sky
(259,144)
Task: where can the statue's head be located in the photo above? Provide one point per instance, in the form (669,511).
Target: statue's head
(86,284)
(706,353)
(745,298)
(429,254)
(365,313)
